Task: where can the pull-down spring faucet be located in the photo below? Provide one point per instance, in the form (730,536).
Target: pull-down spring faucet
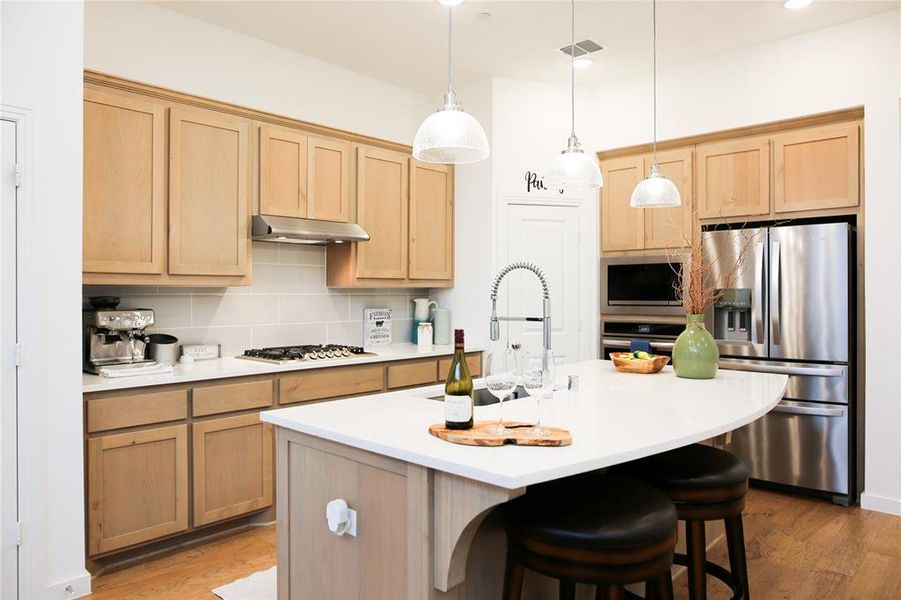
(545,318)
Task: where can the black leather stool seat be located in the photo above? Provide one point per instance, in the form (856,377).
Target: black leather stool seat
(695,474)
(591,512)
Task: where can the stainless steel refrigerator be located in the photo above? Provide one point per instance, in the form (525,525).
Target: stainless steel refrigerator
(789,311)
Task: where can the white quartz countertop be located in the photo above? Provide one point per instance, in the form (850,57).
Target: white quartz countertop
(220,368)
(614,418)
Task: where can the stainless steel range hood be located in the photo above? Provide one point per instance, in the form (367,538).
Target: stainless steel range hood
(292,230)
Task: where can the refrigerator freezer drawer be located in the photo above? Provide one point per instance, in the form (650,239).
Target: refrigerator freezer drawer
(809,382)
(803,444)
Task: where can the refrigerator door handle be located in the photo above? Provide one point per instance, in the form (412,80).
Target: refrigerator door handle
(776,297)
(809,410)
(758,292)
(737,365)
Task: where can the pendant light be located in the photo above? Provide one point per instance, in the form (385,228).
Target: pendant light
(573,169)
(450,135)
(656,191)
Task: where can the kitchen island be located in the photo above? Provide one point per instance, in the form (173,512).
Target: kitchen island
(422,503)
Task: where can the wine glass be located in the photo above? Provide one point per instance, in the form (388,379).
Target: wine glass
(500,379)
(538,380)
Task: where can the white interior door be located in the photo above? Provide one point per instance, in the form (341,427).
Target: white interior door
(547,236)
(8,398)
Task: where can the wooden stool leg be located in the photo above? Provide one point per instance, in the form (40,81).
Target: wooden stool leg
(610,592)
(696,542)
(659,588)
(513,574)
(738,562)
(567,590)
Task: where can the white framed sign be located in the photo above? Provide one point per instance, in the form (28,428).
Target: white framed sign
(376,327)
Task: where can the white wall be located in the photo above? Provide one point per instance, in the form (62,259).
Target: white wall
(42,71)
(155,45)
(287,304)
(852,64)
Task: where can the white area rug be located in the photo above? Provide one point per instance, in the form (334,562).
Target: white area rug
(258,586)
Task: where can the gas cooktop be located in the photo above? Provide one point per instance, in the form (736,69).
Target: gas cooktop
(289,354)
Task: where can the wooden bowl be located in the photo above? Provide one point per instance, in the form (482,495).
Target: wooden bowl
(637,365)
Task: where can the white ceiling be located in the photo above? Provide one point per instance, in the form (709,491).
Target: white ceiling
(405,42)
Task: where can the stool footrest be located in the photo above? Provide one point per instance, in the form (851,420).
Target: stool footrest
(714,570)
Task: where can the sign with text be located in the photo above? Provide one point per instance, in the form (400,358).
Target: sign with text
(376,327)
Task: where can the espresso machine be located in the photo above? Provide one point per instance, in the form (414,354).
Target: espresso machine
(115,339)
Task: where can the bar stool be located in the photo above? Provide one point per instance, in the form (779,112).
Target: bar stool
(598,529)
(705,484)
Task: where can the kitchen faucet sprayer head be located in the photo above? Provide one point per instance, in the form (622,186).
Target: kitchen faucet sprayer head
(495,330)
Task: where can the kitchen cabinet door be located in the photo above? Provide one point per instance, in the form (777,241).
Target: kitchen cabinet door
(283,172)
(382,204)
(209,181)
(671,228)
(232,467)
(733,178)
(137,487)
(124,225)
(329,179)
(817,168)
(622,227)
(431,221)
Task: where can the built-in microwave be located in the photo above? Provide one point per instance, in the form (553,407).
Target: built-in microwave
(641,285)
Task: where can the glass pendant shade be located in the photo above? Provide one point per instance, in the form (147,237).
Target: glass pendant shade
(656,191)
(574,170)
(450,136)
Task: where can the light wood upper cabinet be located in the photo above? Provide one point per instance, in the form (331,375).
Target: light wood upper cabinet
(382,210)
(733,178)
(431,221)
(124,184)
(817,168)
(329,179)
(671,228)
(622,227)
(209,181)
(232,467)
(283,172)
(137,487)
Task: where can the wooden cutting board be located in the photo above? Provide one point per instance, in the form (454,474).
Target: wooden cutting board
(479,436)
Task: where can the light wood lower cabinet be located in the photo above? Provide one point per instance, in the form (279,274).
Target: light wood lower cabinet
(232,467)
(137,487)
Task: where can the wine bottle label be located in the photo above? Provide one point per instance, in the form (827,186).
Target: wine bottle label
(457,409)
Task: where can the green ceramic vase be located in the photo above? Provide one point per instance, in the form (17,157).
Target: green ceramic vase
(695,354)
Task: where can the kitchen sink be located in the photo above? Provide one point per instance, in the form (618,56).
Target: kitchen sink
(483,397)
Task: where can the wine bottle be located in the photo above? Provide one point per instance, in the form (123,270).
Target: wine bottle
(458,402)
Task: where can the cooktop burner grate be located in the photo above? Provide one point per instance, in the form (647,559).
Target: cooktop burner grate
(283,354)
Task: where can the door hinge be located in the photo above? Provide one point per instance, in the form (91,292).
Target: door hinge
(18,354)
(19,175)
(18,533)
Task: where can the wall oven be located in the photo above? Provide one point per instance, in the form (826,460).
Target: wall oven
(640,285)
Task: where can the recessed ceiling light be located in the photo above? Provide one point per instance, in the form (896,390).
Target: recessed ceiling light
(797,4)
(451,2)
(582,63)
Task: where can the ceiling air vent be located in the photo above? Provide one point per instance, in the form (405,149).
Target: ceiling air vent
(582,48)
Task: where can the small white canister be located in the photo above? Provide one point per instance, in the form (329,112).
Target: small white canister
(424,336)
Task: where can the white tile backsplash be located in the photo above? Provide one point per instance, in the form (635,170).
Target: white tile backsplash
(288,303)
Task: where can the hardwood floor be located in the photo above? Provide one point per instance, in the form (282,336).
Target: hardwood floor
(798,549)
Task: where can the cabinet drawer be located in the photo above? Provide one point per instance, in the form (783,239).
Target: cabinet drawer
(117,412)
(418,372)
(473,361)
(331,383)
(231,397)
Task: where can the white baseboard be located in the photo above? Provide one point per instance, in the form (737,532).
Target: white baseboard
(882,504)
(80,586)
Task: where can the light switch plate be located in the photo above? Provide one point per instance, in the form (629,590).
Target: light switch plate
(202,351)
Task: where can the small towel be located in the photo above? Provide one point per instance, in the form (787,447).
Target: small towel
(640,346)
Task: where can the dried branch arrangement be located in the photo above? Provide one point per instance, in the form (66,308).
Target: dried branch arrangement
(704,277)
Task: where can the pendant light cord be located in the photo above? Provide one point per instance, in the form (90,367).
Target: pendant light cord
(655,79)
(572,67)
(450,49)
